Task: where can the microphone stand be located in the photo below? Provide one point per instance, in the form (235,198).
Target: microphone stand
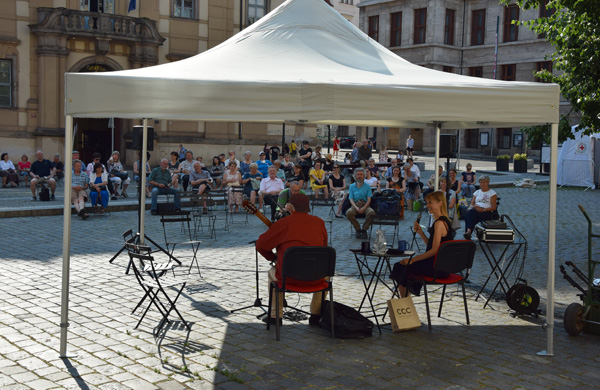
(414,235)
(258,300)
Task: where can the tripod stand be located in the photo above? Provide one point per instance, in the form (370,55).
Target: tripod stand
(258,300)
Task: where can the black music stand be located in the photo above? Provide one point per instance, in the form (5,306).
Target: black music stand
(258,300)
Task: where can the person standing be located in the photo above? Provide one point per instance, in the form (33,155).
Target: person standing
(359,196)
(410,144)
(275,152)
(298,229)
(336,147)
(293,149)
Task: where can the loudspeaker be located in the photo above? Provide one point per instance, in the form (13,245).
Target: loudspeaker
(136,143)
(447,145)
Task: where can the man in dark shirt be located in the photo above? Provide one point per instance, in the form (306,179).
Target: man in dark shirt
(160,179)
(58,166)
(275,152)
(42,171)
(364,152)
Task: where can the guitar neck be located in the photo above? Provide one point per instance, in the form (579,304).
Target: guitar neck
(264,219)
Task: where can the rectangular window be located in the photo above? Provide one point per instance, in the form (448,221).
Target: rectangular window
(448,69)
(374,27)
(504,137)
(104,6)
(184,9)
(545,12)
(395,28)
(449,27)
(511,30)
(5,83)
(472,138)
(420,25)
(478,27)
(476,71)
(508,72)
(256,10)
(543,65)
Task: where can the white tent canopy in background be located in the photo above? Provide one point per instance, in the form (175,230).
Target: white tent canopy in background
(576,160)
(304,61)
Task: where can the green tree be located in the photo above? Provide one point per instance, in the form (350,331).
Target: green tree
(574,31)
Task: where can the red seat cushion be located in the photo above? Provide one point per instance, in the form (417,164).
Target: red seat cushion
(451,279)
(304,287)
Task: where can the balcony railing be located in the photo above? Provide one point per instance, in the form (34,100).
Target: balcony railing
(81,23)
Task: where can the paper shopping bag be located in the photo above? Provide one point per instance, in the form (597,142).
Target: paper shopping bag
(403,314)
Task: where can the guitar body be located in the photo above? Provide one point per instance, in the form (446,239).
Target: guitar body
(251,209)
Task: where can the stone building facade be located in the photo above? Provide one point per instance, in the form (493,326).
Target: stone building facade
(40,40)
(459,36)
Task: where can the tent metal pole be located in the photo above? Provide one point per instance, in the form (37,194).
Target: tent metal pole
(438,130)
(64,305)
(551,242)
(143,179)
(458,145)
(282,137)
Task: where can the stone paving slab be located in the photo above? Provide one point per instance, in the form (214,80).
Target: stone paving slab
(230,351)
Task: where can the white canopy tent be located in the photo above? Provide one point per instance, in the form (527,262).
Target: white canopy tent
(304,61)
(576,160)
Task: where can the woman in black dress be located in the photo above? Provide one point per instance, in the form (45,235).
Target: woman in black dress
(422,264)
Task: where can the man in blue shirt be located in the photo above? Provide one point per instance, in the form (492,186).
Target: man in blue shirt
(160,179)
(360,200)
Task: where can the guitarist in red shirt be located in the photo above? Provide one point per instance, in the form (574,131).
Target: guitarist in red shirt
(298,229)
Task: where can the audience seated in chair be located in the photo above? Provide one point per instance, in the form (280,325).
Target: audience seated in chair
(174,168)
(136,171)
(413,180)
(431,181)
(360,196)
(41,172)
(270,188)
(91,167)
(232,179)
(483,205)
(200,181)
(160,179)
(187,167)
(79,185)
(467,182)
(318,180)
(337,188)
(251,182)
(98,188)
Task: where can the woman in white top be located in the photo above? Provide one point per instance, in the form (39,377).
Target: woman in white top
(372,181)
(115,169)
(482,207)
(8,172)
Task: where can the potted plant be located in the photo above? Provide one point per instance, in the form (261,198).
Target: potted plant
(520,163)
(502,162)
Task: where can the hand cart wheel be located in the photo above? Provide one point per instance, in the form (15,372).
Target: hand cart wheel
(573,320)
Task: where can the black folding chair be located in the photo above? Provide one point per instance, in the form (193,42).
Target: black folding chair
(153,280)
(327,202)
(452,257)
(182,217)
(304,264)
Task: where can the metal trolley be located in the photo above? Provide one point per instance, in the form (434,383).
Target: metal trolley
(584,317)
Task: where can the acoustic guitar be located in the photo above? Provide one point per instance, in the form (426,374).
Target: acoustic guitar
(251,209)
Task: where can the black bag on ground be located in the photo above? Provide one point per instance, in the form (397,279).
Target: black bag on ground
(44,194)
(348,323)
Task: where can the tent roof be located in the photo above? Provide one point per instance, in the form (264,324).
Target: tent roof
(304,61)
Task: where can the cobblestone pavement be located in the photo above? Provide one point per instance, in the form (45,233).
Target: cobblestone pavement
(229,351)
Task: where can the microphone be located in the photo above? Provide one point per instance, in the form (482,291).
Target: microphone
(419,217)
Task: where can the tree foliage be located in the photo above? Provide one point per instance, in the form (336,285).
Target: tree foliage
(574,31)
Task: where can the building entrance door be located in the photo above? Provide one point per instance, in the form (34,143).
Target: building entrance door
(94,135)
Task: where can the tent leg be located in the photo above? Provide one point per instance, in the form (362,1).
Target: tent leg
(551,242)
(64,305)
(438,130)
(143,180)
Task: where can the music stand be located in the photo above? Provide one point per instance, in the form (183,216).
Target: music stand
(258,300)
